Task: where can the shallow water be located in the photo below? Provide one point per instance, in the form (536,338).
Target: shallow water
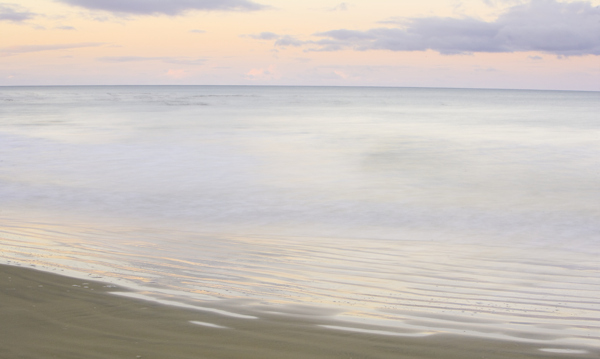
(423,210)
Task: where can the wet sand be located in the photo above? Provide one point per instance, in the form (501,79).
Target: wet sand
(45,315)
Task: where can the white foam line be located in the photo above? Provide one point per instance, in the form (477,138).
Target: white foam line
(208,324)
(564,351)
(183,305)
(381,332)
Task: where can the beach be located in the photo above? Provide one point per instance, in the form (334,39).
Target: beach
(259,179)
(46,315)
(298,222)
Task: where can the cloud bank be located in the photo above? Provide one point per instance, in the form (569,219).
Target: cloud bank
(164,7)
(280,40)
(340,7)
(165,59)
(13,50)
(263,36)
(14,13)
(548,26)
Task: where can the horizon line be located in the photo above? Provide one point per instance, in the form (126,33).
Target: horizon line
(315,86)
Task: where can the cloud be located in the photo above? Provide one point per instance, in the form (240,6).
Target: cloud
(280,40)
(65,28)
(14,13)
(168,60)
(269,73)
(536,58)
(176,74)
(487,69)
(184,61)
(496,3)
(164,7)
(196,31)
(13,50)
(263,36)
(287,40)
(340,7)
(341,74)
(127,58)
(548,26)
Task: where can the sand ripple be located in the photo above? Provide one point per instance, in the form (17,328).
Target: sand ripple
(527,294)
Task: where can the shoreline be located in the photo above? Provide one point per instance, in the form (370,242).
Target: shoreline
(50,315)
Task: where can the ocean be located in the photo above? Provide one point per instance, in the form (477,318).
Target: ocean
(405,210)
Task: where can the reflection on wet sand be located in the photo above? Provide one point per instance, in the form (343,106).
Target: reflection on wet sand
(386,286)
(56,316)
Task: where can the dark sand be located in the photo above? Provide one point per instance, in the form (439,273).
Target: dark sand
(45,315)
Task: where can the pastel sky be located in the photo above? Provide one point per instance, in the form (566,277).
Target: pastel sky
(517,44)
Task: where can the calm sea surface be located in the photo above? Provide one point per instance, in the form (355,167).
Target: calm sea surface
(417,210)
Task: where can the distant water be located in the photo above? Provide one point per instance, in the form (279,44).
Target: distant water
(429,210)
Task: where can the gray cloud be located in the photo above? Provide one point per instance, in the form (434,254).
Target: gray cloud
(280,40)
(13,50)
(264,36)
(14,13)
(169,60)
(164,7)
(65,28)
(127,58)
(566,29)
(196,31)
(184,61)
(287,40)
(340,7)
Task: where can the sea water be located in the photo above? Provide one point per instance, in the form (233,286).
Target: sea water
(425,211)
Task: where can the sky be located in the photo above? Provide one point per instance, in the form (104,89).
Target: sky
(513,44)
